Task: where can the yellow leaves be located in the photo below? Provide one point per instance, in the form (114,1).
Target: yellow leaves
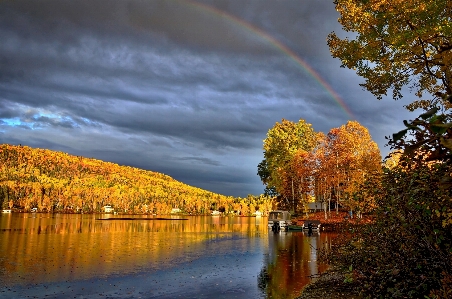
(392,36)
(76,180)
(393,159)
(350,156)
(448,220)
(422,6)
(280,146)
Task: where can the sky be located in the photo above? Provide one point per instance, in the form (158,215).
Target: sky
(185,88)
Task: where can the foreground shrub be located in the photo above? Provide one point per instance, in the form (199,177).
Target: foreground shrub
(406,252)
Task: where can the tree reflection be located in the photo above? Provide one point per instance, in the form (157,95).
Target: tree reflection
(76,246)
(48,248)
(290,263)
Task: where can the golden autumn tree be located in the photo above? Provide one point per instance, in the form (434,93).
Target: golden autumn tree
(325,172)
(280,146)
(397,44)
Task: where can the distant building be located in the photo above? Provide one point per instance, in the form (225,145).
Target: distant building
(316,206)
(257,213)
(108,209)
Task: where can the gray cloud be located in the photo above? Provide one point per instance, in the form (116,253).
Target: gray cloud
(187,88)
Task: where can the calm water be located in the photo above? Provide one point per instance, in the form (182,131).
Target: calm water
(86,256)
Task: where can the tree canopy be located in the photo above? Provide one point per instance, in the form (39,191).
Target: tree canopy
(300,164)
(397,43)
(350,158)
(280,146)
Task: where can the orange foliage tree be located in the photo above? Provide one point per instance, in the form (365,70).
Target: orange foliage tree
(352,158)
(332,168)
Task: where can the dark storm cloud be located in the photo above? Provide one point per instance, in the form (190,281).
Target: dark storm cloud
(199,160)
(185,88)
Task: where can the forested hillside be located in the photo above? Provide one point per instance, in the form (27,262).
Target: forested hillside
(59,182)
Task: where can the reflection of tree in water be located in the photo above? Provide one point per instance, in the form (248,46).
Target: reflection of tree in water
(289,264)
(60,243)
(263,279)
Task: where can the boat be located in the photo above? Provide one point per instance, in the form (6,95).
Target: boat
(6,211)
(315,227)
(315,224)
(295,227)
(279,220)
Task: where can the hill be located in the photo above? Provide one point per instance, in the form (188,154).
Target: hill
(58,182)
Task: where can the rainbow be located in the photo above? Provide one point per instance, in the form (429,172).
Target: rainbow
(278,45)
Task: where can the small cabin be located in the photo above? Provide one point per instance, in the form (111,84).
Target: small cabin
(279,215)
(316,206)
(257,214)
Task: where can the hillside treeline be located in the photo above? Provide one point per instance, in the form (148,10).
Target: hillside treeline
(58,182)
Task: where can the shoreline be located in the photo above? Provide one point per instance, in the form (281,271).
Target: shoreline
(330,285)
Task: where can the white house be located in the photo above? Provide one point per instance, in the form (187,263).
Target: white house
(108,209)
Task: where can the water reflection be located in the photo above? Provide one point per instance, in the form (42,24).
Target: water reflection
(231,257)
(291,262)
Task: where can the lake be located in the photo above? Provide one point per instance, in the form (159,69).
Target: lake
(104,256)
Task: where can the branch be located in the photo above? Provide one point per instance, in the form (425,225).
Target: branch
(425,58)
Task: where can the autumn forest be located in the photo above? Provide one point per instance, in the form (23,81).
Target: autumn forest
(300,166)
(59,182)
